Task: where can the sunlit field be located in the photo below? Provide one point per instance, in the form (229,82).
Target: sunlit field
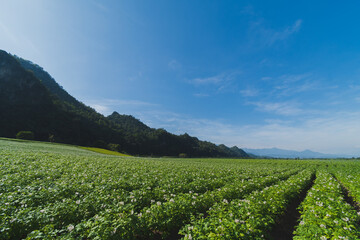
(59,191)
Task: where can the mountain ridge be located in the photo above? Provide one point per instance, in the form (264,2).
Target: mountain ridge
(283,153)
(33,100)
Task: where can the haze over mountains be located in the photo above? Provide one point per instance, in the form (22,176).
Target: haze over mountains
(282,153)
(32,100)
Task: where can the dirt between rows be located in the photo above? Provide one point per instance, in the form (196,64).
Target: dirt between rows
(285,225)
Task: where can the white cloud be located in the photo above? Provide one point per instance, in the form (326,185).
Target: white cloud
(291,84)
(101,108)
(280,108)
(219,79)
(107,106)
(250,92)
(209,80)
(221,83)
(274,36)
(292,78)
(331,133)
(336,133)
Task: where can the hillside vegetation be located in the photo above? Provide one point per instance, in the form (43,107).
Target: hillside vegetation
(31,100)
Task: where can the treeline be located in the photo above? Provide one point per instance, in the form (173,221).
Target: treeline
(31,100)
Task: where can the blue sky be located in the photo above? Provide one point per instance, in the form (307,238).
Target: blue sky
(255,74)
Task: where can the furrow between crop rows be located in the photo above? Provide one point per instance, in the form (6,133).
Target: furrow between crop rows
(34,208)
(250,218)
(325,214)
(163,220)
(50,191)
(285,225)
(349,180)
(50,197)
(347,195)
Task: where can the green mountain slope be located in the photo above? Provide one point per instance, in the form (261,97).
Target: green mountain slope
(32,100)
(21,95)
(49,82)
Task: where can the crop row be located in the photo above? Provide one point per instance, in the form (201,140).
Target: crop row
(325,214)
(249,218)
(121,218)
(168,217)
(350,178)
(53,192)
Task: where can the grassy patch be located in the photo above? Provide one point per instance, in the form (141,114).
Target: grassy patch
(105,151)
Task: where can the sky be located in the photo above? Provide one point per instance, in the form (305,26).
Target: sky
(255,74)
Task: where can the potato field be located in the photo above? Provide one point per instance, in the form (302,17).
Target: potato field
(54,191)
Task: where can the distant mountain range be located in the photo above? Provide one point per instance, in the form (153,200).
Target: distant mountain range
(281,153)
(31,100)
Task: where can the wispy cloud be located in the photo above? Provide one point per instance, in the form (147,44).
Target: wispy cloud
(333,133)
(221,83)
(290,84)
(249,92)
(280,108)
(209,80)
(174,65)
(268,36)
(292,78)
(274,36)
(107,106)
(103,109)
(216,79)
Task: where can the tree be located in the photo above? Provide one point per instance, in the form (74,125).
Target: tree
(27,135)
(51,138)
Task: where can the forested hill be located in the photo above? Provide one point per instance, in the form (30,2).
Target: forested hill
(31,100)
